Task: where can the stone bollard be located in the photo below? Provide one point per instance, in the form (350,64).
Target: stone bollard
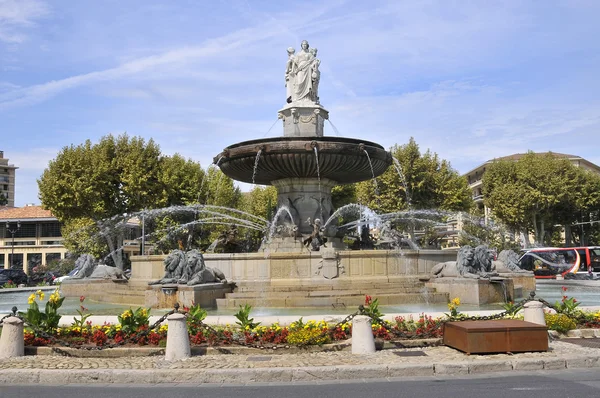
(11,341)
(362,335)
(534,312)
(178,339)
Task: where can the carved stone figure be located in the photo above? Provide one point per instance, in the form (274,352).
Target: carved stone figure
(508,262)
(289,75)
(85,264)
(316,239)
(302,70)
(188,268)
(474,263)
(103,271)
(174,267)
(483,259)
(316,75)
(196,272)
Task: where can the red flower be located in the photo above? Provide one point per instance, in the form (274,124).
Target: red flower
(368,300)
(81,298)
(564,288)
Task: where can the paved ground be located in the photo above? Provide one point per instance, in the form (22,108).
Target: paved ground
(269,366)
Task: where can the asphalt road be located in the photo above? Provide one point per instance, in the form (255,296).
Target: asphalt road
(582,383)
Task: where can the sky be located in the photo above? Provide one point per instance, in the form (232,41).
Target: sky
(469,80)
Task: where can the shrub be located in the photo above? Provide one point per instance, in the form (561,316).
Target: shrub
(559,322)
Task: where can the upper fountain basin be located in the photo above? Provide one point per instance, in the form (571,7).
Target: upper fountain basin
(340,159)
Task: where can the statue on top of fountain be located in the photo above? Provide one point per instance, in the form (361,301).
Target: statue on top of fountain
(302,75)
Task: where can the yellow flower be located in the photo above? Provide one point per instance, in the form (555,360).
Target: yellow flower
(456,301)
(451,306)
(39,293)
(42,296)
(31,299)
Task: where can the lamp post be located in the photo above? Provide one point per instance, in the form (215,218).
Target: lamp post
(13,232)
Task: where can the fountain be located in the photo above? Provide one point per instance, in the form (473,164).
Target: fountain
(303,261)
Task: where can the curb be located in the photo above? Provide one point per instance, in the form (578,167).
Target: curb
(295,374)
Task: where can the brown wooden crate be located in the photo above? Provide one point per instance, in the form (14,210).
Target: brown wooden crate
(495,336)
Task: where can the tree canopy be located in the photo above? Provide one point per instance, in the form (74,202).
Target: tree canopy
(428,183)
(121,175)
(538,193)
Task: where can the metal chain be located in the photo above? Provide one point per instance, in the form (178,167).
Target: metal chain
(361,311)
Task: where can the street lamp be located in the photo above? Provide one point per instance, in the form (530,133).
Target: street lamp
(13,232)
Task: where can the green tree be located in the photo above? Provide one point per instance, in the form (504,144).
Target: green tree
(538,192)
(428,183)
(3,200)
(101,183)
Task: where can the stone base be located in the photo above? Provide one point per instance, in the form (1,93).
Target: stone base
(523,283)
(303,120)
(165,296)
(117,291)
(475,291)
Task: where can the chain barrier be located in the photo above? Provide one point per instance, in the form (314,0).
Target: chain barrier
(135,339)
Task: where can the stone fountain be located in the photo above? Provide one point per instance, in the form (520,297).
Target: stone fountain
(295,268)
(303,164)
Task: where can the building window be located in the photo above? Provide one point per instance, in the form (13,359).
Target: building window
(26,231)
(51,230)
(34,260)
(50,257)
(1,261)
(17,262)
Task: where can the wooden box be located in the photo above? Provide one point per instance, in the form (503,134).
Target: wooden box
(496,336)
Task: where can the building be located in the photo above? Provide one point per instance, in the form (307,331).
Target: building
(7,180)
(475,176)
(29,236)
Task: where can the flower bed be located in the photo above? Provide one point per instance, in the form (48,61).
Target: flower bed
(133,328)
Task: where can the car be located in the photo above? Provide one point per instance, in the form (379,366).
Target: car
(14,275)
(60,279)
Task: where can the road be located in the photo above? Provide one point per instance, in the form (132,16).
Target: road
(579,383)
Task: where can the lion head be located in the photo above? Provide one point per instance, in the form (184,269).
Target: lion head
(510,260)
(174,264)
(483,258)
(194,262)
(464,260)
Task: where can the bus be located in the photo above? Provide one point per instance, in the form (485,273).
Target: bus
(548,262)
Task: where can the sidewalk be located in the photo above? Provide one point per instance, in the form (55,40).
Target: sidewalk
(278,366)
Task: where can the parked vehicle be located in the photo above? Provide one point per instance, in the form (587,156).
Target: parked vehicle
(60,279)
(14,275)
(547,262)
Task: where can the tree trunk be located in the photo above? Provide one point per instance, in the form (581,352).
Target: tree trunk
(568,236)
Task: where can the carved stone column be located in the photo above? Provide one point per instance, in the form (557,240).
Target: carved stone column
(302,197)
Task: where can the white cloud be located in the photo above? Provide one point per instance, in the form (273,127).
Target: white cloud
(16,16)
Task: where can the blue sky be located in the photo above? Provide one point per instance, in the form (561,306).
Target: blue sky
(470,80)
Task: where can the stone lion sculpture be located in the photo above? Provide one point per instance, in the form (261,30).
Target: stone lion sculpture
(462,267)
(474,263)
(85,265)
(483,258)
(103,271)
(508,262)
(188,268)
(174,267)
(196,272)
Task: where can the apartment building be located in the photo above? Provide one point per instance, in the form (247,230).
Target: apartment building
(475,176)
(7,180)
(29,236)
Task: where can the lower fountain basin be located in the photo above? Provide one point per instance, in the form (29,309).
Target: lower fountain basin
(340,159)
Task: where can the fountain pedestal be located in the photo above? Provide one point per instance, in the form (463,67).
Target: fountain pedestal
(475,291)
(303,120)
(306,198)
